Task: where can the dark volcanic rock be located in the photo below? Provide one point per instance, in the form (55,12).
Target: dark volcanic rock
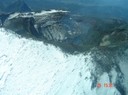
(70,32)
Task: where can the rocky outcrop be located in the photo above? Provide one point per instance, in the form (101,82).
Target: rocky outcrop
(70,32)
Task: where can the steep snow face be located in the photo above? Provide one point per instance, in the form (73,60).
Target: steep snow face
(29,67)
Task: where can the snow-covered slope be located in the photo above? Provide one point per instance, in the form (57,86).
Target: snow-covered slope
(29,67)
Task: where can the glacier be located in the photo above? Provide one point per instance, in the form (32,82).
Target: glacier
(30,67)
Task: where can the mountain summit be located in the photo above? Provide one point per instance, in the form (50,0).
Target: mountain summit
(18,6)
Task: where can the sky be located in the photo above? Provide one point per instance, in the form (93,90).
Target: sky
(104,2)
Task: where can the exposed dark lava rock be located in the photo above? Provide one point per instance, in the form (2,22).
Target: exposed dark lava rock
(70,32)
